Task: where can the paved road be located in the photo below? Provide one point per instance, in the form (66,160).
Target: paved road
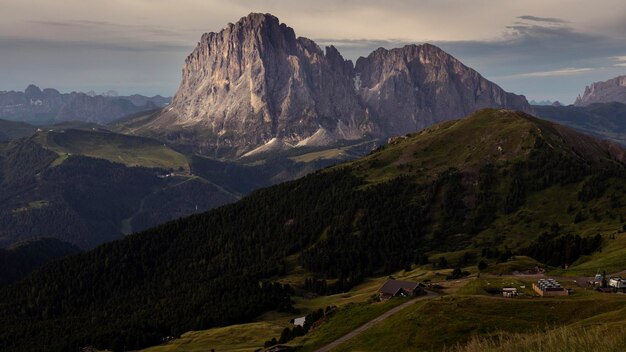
(375,321)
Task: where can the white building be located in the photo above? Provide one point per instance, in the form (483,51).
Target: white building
(299,321)
(618,283)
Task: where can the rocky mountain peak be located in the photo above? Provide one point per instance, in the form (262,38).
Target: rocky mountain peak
(415,86)
(612,90)
(33,92)
(255,82)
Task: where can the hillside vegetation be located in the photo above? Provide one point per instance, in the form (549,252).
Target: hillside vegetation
(449,196)
(90,187)
(119,148)
(20,259)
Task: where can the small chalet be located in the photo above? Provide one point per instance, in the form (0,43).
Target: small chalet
(618,284)
(395,288)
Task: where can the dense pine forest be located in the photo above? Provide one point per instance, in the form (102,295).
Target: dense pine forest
(213,269)
(20,259)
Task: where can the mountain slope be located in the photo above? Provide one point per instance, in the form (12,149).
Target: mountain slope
(255,83)
(11,130)
(90,187)
(612,90)
(373,216)
(19,260)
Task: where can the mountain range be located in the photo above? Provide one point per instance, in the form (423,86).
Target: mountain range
(49,105)
(488,187)
(255,86)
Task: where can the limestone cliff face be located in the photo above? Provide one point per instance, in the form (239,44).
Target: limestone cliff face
(613,90)
(255,84)
(255,81)
(416,86)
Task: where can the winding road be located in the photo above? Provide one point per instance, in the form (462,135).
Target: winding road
(369,324)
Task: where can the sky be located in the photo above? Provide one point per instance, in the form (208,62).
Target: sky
(546,50)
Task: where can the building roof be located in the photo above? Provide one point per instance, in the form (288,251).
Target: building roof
(299,321)
(393,286)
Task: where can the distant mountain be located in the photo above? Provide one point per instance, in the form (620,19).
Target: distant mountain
(541,102)
(497,183)
(20,259)
(604,120)
(613,90)
(49,106)
(141,100)
(256,85)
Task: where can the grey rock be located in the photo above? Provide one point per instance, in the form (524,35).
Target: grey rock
(613,90)
(256,83)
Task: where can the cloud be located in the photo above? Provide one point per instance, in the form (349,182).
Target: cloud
(88,28)
(620,61)
(12,42)
(560,72)
(542,19)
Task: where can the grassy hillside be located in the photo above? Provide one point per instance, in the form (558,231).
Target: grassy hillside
(491,187)
(487,137)
(449,321)
(127,150)
(73,185)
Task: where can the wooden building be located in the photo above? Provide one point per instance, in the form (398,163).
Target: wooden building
(397,288)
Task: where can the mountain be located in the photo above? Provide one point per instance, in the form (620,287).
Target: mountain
(22,258)
(255,83)
(49,105)
(87,187)
(542,102)
(613,90)
(141,100)
(604,120)
(495,184)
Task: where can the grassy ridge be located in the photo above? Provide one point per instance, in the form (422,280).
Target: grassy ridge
(127,150)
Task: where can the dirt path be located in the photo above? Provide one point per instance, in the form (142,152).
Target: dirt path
(375,321)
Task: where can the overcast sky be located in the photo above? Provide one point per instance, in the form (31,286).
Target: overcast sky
(548,49)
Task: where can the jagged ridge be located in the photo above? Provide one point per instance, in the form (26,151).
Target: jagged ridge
(255,81)
(612,90)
